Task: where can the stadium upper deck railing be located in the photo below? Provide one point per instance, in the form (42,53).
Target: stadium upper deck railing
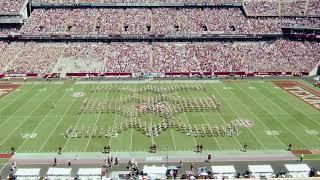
(289,33)
(139,37)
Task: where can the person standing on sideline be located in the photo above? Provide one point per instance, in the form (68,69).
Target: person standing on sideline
(201,148)
(54,162)
(245,148)
(69,163)
(209,157)
(180,164)
(301,158)
(116,161)
(192,166)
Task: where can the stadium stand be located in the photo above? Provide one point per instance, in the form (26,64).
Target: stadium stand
(281,55)
(63,57)
(262,7)
(293,7)
(150,21)
(8,6)
(314,7)
(253,7)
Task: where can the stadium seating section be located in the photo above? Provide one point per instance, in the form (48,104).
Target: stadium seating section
(280,55)
(150,21)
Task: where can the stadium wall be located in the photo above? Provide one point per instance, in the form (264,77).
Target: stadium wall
(153,74)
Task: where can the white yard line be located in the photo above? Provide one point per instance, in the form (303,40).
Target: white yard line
(289,113)
(14,100)
(76,125)
(277,120)
(131,137)
(152,140)
(174,142)
(297,109)
(206,121)
(234,112)
(159,135)
(95,124)
(3,167)
(61,118)
(42,120)
(184,113)
(131,140)
(39,105)
(114,121)
(257,117)
(25,103)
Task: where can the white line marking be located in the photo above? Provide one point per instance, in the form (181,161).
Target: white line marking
(131,141)
(277,119)
(61,118)
(194,139)
(39,105)
(3,167)
(95,124)
(222,117)
(114,121)
(174,142)
(42,120)
(234,112)
(14,100)
(76,125)
(25,103)
(258,118)
(206,121)
(152,139)
(289,113)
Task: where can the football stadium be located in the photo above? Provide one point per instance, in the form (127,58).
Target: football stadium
(140,89)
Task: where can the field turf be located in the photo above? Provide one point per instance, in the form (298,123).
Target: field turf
(34,117)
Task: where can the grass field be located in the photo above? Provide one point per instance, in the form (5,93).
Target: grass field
(34,117)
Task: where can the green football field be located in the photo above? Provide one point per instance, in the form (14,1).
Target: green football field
(35,116)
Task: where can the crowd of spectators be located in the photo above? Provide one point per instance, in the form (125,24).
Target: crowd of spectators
(254,7)
(314,7)
(293,7)
(262,7)
(282,8)
(279,55)
(151,21)
(9,6)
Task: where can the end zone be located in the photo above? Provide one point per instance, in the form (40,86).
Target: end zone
(301,91)
(5,156)
(305,151)
(7,88)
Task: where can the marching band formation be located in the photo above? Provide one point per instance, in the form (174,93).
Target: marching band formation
(161,105)
(164,105)
(154,89)
(199,130)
